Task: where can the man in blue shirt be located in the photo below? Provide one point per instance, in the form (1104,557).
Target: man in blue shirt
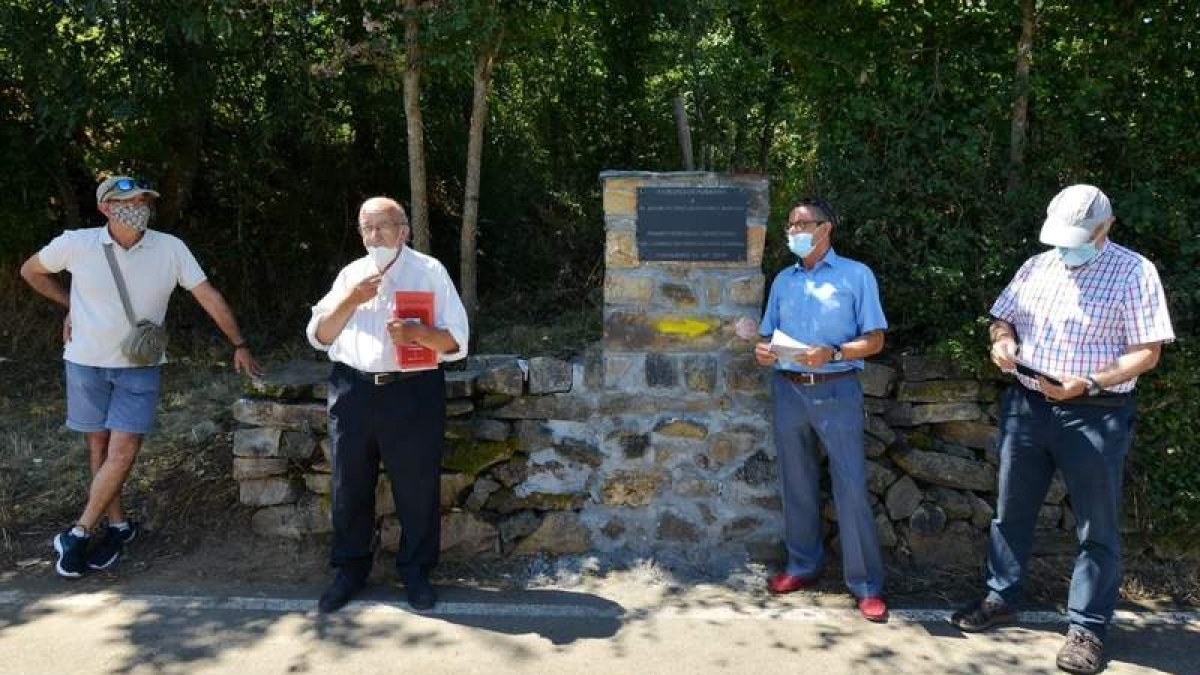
(831,304)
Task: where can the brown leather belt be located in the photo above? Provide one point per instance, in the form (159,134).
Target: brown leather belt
(816,378)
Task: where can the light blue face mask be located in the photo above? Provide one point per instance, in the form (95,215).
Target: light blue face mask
(800,243)
(1075,256)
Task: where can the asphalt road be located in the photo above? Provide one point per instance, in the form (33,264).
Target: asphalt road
(604,626)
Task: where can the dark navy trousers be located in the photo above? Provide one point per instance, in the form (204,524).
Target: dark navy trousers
(1088,444)
(402,424)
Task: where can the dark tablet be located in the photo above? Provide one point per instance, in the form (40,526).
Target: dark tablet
(1030,372)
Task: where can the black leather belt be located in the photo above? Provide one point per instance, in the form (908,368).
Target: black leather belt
(1104,400)
(380,379)
(815,378)
(1101,400)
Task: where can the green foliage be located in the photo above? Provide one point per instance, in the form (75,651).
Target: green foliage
(1165,464)
(265,124)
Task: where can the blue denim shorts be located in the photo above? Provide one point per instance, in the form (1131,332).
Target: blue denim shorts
(117,399)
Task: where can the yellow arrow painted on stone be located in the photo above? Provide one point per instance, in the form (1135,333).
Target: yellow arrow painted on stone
(685,326)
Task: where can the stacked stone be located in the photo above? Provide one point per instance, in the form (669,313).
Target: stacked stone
(542,457)
(933,464)
(283,465)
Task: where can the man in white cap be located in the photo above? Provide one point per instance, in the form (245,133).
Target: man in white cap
(1079,323)
(111,397)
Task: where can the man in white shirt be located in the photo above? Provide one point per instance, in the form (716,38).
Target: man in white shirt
(379,409)
(111,399)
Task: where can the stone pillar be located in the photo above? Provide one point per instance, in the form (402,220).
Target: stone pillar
(682,407)
(670,325)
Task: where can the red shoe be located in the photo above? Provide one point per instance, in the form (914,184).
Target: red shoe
(787,583)
(873,608)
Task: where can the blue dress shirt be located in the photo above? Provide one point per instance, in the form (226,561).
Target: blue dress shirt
(831,304)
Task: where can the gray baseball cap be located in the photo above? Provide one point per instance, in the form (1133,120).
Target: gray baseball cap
(1073,216)
(122,187)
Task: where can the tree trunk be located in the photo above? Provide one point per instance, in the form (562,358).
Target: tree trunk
(72,217)
(684,132)
(467,258)
(1020,110)
(766,137)
(419,216)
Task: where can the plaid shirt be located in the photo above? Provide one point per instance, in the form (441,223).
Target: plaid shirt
(1076,321)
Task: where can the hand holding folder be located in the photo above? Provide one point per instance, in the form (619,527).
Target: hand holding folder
(415,306)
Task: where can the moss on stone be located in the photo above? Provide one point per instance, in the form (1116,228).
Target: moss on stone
(921,440)
(472,456)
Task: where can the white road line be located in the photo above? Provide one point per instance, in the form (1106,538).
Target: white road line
(564,611)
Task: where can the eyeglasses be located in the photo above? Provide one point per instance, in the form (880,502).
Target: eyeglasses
(823,205)
(367,229)
(804,224)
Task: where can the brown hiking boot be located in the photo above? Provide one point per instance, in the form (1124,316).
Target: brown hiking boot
(982,615)
(1083,653)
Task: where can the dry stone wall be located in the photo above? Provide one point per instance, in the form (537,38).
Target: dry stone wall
(577,468)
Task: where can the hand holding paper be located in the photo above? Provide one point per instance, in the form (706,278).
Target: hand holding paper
(788,348)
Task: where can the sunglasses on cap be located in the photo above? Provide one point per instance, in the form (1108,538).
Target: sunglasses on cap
(127,184)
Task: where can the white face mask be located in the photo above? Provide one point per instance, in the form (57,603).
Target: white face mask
(382,255)
(134,216)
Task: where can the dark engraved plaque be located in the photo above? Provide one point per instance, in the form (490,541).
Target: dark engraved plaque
(691,223)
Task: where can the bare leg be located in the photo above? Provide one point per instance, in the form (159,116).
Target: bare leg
(97,442)
(110,477)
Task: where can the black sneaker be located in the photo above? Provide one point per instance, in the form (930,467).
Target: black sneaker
(71,550)
(107,551)
(129,533)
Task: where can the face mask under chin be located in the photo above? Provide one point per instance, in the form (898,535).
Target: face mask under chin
(382,255)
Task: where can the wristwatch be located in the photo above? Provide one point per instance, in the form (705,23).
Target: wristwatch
(837,354)
(1093,387)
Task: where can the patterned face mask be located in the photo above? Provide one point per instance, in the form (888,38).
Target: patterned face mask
(134,216)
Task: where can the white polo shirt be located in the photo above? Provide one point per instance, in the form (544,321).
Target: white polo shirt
(152,269)
(364,343)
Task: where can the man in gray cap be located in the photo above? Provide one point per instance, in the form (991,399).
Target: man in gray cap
(112,393)
(1078,323)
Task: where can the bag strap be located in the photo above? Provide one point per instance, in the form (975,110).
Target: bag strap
(116,272)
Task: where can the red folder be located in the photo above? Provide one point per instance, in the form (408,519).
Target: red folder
(415,305)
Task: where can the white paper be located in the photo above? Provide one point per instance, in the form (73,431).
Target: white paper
(787,347)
